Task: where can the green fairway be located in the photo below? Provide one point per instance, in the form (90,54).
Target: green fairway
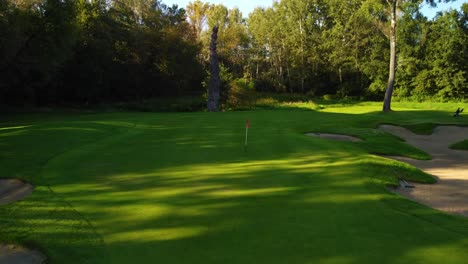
(181,188)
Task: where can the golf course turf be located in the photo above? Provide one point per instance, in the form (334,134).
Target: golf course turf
(181,188)
(462,145)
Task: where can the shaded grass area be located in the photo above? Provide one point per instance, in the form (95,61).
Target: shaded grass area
(426,128)
(389,172)
(462,145)
(180,188)
(421,129)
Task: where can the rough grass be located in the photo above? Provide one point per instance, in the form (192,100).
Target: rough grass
(181,188)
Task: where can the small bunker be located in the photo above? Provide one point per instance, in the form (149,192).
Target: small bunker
(334,137)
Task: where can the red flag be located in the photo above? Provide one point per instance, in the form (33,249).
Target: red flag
(247,125)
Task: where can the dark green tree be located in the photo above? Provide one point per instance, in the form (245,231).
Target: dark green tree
(392,8)
(445,75)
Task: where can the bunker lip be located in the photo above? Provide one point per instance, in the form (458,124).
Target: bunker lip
(339,137)
(448,166)
(19,254)
(13,190)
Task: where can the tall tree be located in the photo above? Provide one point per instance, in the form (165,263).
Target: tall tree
(412,45)
(268,41)
(29,28)
(349,42)
(197,12)
(445,75)
(233,41)
(304,22)
(392,7)
(93,51)
(288,40)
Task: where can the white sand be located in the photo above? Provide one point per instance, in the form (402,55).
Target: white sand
(448,166)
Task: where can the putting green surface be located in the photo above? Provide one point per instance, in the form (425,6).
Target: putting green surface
(181,188)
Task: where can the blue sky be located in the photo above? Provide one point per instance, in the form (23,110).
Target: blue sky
(431,12)
(246,6)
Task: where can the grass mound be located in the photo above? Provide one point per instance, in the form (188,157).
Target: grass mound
(462,145)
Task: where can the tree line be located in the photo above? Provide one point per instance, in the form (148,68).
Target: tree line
(85,52)
(95,51)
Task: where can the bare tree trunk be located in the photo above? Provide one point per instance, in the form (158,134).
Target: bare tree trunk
(215,80)
(391,75)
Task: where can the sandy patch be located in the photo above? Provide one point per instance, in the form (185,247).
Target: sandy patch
(11,254)
(449,167)
(12,190)
(334,137)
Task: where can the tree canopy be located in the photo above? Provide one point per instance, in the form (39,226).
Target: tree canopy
(94,51)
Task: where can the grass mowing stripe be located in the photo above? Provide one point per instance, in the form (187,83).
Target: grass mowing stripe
(179,188)
(45,220)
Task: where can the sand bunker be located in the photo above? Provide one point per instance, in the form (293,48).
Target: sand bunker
(12,254)
(12,190)
(449,167)
(334,137)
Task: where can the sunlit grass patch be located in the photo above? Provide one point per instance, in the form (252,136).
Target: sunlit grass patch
(182,188)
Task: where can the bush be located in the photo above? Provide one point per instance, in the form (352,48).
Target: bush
(240,95)
(329,97)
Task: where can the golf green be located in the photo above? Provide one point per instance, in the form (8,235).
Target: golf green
(183,188)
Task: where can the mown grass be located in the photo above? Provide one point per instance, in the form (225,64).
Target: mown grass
(181,188)
(462,145)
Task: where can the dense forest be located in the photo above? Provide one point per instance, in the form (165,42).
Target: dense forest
(59,52)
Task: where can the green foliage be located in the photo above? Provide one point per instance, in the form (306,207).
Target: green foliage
(59,52)
(445,75)
(226,79)
(38,39)
(390,172)
(412,41)
(241,95)
(329,97)
(196,13)
(421,129)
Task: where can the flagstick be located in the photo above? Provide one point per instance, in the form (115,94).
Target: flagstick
(246,136)
(247,126)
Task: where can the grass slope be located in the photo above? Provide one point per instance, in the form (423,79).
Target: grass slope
(179,188)
(462,145)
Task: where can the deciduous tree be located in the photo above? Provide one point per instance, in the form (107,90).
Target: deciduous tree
(393,6)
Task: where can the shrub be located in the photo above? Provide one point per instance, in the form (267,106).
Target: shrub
(329,97)
(240,95)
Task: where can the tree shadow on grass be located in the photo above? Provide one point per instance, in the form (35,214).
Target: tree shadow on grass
(151,194)
(298,209)
(51,225)
(272,215)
